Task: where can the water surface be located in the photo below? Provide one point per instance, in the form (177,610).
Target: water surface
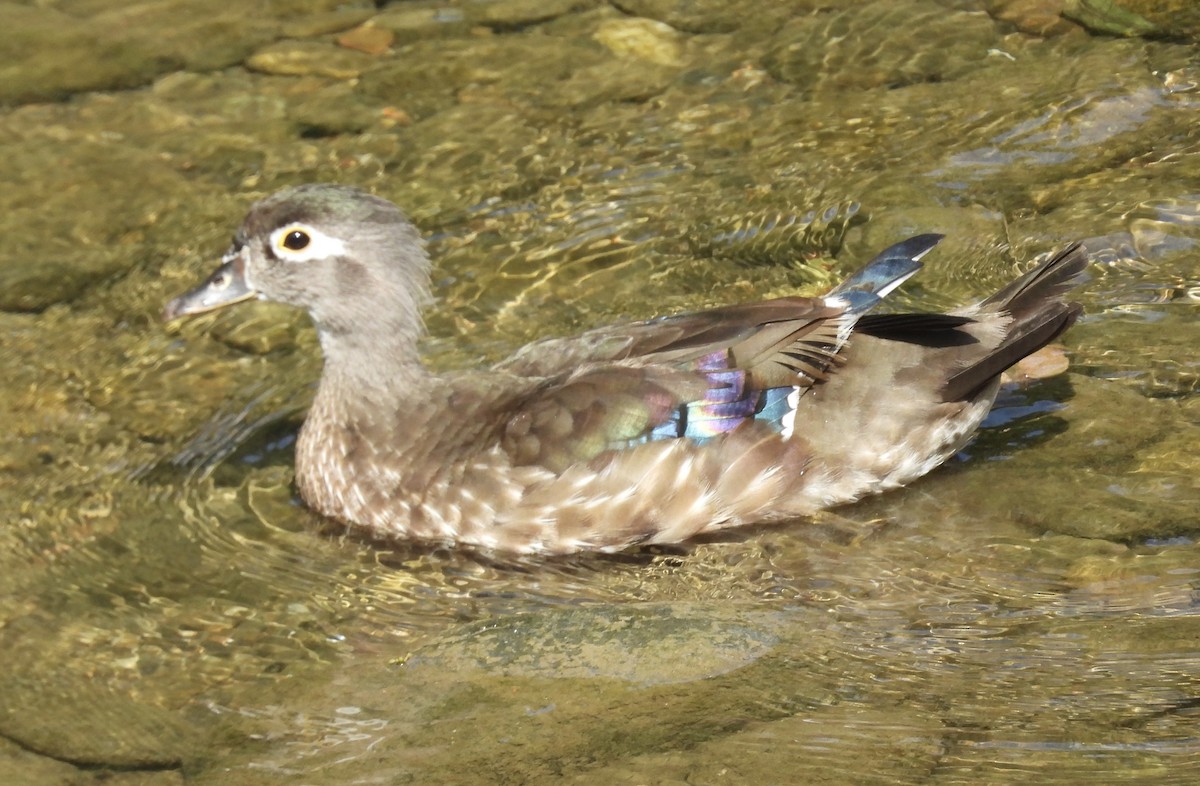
(172,614)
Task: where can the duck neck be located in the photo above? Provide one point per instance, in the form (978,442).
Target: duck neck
(377,369)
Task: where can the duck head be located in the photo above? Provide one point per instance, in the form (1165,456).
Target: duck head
(351,259)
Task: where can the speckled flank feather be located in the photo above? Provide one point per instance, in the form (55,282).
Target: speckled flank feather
(649,432)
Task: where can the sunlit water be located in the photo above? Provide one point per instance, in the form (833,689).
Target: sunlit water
(1027,613)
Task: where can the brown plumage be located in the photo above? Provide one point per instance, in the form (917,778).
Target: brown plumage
(648,432)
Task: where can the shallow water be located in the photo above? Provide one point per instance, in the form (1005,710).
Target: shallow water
(170,612)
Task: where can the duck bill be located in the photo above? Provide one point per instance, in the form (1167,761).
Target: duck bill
(226,286)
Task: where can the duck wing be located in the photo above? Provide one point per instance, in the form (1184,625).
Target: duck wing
(693,376)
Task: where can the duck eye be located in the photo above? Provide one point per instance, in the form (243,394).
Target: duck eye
(296,240)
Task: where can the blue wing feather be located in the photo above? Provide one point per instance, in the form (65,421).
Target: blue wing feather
(729,402)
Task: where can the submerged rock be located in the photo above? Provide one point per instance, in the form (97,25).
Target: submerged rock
(510,14)
(644,39)
(1037,17)
(325,23)
(302,58)
(57,54)
(421,21)
(694,16)
(77,722)
(862,48)
(367,38)
(646,645)
(1106,16)
(1171,18)
(65,232)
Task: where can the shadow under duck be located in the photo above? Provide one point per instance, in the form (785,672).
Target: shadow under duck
(646,432)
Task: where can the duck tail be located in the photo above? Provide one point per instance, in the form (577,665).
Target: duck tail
(1038,315)
(1047,282)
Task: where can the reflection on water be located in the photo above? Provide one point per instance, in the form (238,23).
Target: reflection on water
(172,611)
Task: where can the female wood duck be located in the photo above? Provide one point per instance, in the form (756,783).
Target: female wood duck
(647,432)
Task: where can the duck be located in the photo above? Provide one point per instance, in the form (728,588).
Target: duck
(646,432)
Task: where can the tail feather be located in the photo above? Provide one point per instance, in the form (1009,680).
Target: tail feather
(1048,281)
(1038,313)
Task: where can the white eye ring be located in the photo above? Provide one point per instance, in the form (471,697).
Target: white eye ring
(298,242)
